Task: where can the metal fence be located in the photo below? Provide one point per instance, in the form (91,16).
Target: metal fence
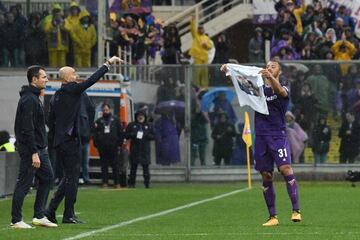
(319,90)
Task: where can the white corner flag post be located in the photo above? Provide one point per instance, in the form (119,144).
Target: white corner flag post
(246,136)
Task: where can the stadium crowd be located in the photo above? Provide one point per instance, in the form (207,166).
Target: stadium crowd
(307,32)
(68,37)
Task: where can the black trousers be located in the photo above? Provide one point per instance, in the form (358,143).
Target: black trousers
(146,174)
(45,176)
(68,153)
(109,156)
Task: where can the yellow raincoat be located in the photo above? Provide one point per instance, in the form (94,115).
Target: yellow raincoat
(346,55)
(84,39)
(73,20)
(57,40)
(200,55)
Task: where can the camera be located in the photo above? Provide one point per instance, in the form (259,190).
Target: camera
(353,176)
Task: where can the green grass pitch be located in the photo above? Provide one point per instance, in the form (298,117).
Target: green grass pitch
(330,211)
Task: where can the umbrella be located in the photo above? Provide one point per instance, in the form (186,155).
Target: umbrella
(170,106)
(208,98)
(297,66)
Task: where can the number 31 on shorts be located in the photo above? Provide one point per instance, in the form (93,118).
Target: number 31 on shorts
(282,152)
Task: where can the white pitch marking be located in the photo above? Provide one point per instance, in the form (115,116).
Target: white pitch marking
(159,214)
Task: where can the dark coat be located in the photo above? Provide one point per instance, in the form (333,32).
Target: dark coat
(111,139)
(198,128)
(321,140)
(30,121)
(12,35)
(139,148)
(35,45)
(223,135)
(350,143)
(65,107)
(86,118)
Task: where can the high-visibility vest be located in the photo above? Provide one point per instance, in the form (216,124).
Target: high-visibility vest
(8,147)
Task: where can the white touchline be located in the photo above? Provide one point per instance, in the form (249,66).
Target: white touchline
(122,224)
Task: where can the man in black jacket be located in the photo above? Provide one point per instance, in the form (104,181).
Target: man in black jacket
(31,144)
(64,118)
(108,137)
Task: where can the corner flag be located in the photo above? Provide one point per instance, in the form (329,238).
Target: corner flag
(246,135)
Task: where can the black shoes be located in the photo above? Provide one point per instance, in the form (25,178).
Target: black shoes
(51,217)
(72,220)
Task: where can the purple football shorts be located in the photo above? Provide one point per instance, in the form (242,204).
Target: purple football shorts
(270,150)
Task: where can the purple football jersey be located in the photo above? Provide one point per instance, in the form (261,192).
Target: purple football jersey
(273,124)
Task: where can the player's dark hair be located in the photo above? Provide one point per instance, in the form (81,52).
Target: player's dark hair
(33,71)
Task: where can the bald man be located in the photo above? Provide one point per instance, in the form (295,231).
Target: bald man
(64,123)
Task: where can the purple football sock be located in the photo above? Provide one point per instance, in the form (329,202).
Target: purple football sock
(292,189)
(269,195)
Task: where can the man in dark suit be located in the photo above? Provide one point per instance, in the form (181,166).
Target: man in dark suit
(64,118)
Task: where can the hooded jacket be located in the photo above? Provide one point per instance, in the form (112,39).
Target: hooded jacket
(83,38)
(30,121)
(140,143)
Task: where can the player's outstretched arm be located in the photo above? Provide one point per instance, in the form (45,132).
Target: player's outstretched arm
(275,84)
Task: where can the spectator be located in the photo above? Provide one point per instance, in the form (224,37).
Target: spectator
(83,35)
(324,44)
(350,139)
(223,135)
(74,15)
(108,138)
(172,45)
(199,139)
(199,52)
(353,98)
(222,105)
(297,138)
(256,44)
(297,11)
(307,52)
(285,23)
(309,15)
(339,27)
(343,13)
(321,140)
(307,108)
(19,18)
(320,87)
(167,140)
(296,86)
(5,145)
(349,79)
(344,51)
(72,21)
(222,49)
(35,42)
(12,37)
(57,31)
(285,51)
(140,132)
(86,121)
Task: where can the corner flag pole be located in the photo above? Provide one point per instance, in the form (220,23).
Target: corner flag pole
(246,136)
